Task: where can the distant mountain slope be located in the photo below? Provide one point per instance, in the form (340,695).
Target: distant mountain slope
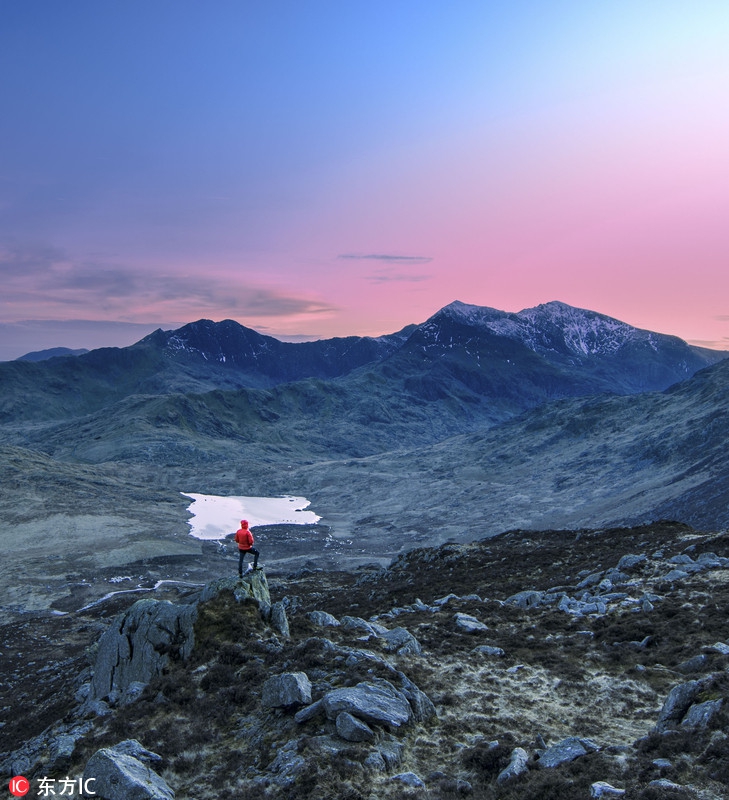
(53,352)
(581,462)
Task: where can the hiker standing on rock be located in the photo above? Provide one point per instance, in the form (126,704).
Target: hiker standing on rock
(244,537)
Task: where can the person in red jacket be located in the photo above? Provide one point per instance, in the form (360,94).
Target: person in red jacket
(244,538)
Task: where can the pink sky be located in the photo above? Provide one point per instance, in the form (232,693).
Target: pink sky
(353,171)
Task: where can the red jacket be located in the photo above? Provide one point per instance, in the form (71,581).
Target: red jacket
(244,537)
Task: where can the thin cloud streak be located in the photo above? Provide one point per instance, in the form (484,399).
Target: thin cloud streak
(386,257)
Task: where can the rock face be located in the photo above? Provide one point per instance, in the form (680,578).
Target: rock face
(287,690)
(678,702)
(352,729)
(113,774)
(252,585)
(139,644)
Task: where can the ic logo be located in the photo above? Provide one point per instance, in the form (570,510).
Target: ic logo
(19,786)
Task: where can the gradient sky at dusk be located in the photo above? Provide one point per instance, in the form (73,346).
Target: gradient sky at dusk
(335,167)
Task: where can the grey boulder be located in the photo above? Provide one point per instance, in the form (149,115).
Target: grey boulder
(517,765)
(286,690)
(113,775)
(567,750)
(352,729)
(379,703)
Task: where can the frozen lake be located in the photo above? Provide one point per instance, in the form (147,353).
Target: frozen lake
(215,517)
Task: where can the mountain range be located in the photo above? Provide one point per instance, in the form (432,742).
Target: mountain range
(471,423)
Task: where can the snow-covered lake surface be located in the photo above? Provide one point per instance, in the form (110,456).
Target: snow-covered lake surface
(215,517)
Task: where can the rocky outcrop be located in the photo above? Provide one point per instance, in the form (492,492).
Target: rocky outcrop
(139,644)
(253,585)
(377,703)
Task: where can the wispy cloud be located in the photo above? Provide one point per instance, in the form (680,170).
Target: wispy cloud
(44,281)
(386,257)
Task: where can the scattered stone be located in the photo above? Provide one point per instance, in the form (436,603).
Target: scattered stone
(375,761)
(117,776)
(287,765)
(695,664)
(721,647)
(310,712)
(526,599)
(375,702)
(699,716)
(409,779)
(488,650)
(353,729)
(603,789)
(401,641)
(590,580)
(324,619)
(279,620)
(131,747)
(421,705)
(286,690)
(662,763)
(358,624)
(469,624)
(664,783)
(630,562)
(443,600)
(678,702)
(517,765)
(567,750)
(676,575)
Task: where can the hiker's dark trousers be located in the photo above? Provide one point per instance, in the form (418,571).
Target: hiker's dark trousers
(242,555)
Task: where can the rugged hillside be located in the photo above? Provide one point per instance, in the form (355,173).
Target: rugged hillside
(557,664)
(498,363)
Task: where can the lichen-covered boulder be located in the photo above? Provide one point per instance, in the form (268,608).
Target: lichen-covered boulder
(517,765)
(678,702)
(252,585)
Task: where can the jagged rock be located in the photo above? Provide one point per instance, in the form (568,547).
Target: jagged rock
(678,702)
(310,712)
(676,575)
(421,705)
(662,763)
(517,765)
(287,765)
(469,624)
(711,560)
(630,562)
(375,761)
(353,729)
(323,619)
(253,585)
(401,641)
(117,776)
(379,703)
(441,601)
(138,644)
(603,789)
(526,599)
(664,783)
(591,580)
(358,624)
(279,620)
(567,750)
(409,779)
(699,716)
(695,664)
(131,747)
(488,650)
(721,647)
(286,690)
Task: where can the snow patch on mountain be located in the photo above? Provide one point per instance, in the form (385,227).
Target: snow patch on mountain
(553,327)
